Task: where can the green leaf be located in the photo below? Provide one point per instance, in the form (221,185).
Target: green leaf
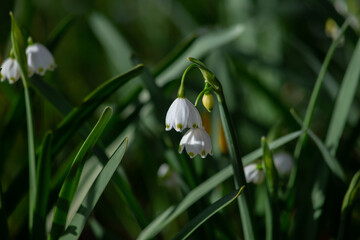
(272,183)
(43,188)
(271,175)
(329,159)
(343,101)
(116,47)
(58,32)
(250,157)
(75,119)
(72,179)
(73,231)
(174,211)
(19,46)
(351,198)
(316,90)
(207,213)
(175,54)
(198,49)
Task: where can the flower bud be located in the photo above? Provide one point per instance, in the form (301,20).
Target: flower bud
(208,101)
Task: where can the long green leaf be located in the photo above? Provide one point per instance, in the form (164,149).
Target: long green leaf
(343,101)
(207,213)
(174,211)
(58,33)
(329,159)
(72,179)
(198,49)
(18,44)
(43,188)
(351,198)
(73,231)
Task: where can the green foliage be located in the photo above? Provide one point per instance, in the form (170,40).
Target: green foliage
(260,58)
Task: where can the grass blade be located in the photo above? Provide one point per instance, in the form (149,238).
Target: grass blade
(272,184)
(343,101)
(72,179)
(43,188)
(351,198)
(174,211)
(198,49)
(77,223)
(329,159)
(207,213)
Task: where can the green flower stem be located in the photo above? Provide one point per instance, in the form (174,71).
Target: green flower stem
(19,45)
(181,92)
(243,199)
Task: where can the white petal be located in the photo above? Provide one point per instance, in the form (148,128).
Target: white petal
(196,141)
(182,114)
(283,163)
(39,59)
(10,70)
(253,174)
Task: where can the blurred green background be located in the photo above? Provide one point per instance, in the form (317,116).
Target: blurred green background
(266,53)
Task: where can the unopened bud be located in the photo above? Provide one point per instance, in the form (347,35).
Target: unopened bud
(208,101)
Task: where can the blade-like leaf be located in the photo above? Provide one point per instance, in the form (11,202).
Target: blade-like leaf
(172,212)
(72,179)
(43,188)
(198,49)
(59,32)
(351,198)
(73,231)
(207,213)
(329,159)
(343,101)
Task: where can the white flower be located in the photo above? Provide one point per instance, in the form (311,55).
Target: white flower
(182,114)
(10,70)
(196,141)
(39,59)
(254,174)
(283,163)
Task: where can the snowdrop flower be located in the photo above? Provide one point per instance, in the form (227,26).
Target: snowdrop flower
(196,141)
(168,177)
(10,70)
(283,163)
(182,114)
(39,58)
(254,174)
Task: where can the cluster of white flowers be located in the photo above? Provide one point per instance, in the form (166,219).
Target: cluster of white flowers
(39,60)
(255,173)
(183,114)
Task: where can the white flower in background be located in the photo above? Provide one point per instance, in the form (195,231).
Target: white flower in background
(254,173)
(168,177)
(39,59)
(196,141)
(182,114)
(283,163)
(10,70)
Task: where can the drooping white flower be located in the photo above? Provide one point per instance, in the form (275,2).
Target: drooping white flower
(10,70)
(254,174)
(283,163)
(196,141)
(39,59)
(182,114)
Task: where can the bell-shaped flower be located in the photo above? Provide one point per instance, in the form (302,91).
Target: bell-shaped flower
(10,70)
(283,163)
(254,173)
(196,141)
(39,59)
(182,114)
